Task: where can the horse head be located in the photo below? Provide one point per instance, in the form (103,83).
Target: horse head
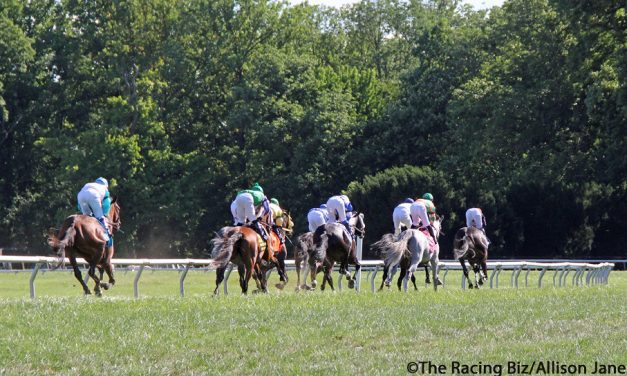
(114,216)
(437,226)
(358,224)
(288,224)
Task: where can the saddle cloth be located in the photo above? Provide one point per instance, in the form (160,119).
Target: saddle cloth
(432,245)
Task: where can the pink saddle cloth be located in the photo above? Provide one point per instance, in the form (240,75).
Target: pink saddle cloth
(432,245)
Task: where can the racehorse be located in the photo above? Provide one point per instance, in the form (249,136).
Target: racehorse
(281,254)
(253,256)
(304,245)
(332,244)
(409,250)
(83,236)
(471,244)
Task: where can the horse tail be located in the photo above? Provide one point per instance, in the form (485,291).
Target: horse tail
(391,249)
(223,246)
(64,239)
(461,243)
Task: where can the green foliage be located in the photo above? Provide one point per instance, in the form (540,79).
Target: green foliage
(181,104)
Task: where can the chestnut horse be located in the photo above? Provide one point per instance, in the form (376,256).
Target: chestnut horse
(242,246)
(471,244)
(83,236)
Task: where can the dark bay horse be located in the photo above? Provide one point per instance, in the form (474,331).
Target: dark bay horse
(333,244)
(83,236)
(302,248)
(243,246)
(471,244)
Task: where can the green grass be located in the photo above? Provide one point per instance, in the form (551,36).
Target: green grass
(294,333)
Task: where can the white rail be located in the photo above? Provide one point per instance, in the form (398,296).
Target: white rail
(590,273)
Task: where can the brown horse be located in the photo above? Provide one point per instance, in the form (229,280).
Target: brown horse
(83,236)
(243,246)
(333,244)
(471,244)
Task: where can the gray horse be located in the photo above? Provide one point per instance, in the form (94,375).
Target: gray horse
(472,244)
(408,250)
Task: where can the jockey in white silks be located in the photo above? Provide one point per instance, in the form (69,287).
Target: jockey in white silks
(250,205)
(402,216)
(340,210)
(475,218)
(94,200)
(317,217)
(420,218)
(236,219)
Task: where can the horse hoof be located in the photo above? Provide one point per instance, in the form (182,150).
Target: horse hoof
(314,284)
(427,281)
(351,284)
(481,282)
(99,294)
(471,286)
(280,286)
(105,286)
(439,283)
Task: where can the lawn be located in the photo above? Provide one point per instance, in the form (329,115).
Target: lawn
(62,332)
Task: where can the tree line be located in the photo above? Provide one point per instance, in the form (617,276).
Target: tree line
(520,110)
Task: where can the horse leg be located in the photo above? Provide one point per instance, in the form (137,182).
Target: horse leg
(465,269)
(92,274)
(108,267)
(401,276)
(385,281)
(434,270)
(427,281)
(219,279)
(244,277)
(478,276)
(79,275)
(484,266)
(413,281)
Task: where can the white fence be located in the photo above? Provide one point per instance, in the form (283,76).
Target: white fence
(582,273)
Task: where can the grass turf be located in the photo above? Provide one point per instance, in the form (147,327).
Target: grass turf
(288,333)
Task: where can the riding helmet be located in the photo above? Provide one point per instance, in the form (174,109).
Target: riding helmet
(428,196)
(274,201)
(408,200)
(102,181)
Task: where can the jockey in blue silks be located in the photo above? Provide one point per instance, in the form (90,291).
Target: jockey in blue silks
(94,200)
(317,217)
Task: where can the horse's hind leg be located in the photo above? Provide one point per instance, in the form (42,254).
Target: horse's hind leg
(427,281)
(413,281)
(92,274)
(465,269)
(384,280)
(401,276)
(79,276)
(219,278)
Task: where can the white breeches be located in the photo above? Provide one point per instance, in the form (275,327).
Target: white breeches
(90,202)
(474,218)
(236,219)
(401,216)
(419,213)
(336,209)
(315,219)
(245,208)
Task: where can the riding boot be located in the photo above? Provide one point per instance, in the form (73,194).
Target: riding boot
(432,233)
(103,223)
(279,231)
(257,227)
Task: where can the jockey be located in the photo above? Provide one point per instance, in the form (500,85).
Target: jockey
(419,216)
(475,218)
(402,215)
(317,217)
(250,205)
(94,200)
(427,199)
(277,218)
(236,220)
(340,210)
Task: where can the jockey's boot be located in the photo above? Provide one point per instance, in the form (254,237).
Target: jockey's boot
(103,223)
(432,233)
(279,231)
(257,227)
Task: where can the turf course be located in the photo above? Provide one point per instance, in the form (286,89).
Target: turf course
(62,332)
